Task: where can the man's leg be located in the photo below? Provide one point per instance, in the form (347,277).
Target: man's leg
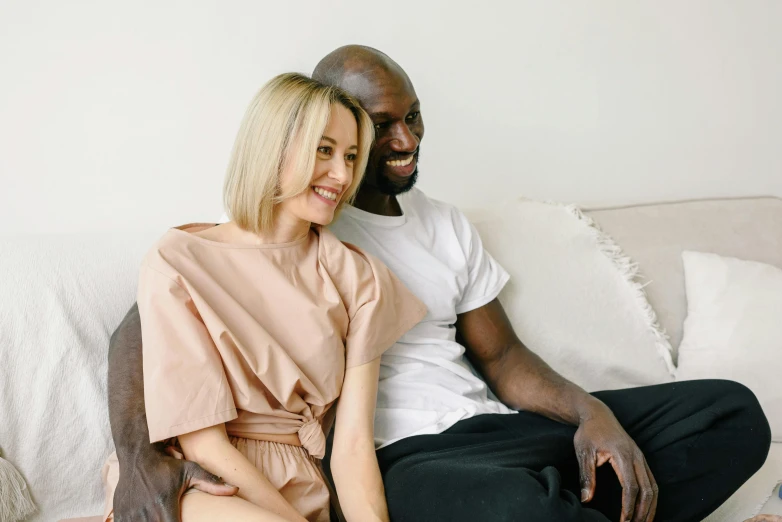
(701,439)
(480,469)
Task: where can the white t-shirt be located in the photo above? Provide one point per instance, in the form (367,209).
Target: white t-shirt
(426,383)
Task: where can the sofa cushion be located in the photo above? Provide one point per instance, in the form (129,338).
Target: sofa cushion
(732,330)
(656,235)
(572,297)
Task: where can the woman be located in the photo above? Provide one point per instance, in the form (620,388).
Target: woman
(252,329)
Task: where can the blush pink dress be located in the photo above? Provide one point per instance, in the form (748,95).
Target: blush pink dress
(259,338)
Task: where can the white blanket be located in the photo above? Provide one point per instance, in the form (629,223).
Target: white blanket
(61,299)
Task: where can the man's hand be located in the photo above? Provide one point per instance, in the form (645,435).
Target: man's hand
(152,483)
(600,439)
(523,381)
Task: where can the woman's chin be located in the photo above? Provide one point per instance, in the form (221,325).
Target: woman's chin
(322,219)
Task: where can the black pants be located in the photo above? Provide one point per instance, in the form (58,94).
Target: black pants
(701,439)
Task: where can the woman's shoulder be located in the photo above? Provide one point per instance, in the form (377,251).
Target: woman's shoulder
(339,254)
(175,244)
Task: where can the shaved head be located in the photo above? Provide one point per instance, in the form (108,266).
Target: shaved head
(385,91)
(347,66)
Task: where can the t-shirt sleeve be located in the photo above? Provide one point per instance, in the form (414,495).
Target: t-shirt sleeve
(185,387)
(382,309)
(485,276)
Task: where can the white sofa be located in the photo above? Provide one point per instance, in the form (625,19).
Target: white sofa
(63,296)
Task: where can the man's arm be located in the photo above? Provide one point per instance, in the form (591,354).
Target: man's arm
(523,381)
(151,481)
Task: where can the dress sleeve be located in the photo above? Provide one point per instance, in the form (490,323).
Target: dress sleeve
(382,310)
(185,387)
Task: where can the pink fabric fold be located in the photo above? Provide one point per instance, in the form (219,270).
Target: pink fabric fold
(312,438)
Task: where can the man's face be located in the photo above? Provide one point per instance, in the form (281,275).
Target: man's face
(393,105)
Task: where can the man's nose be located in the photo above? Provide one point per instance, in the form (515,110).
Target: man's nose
(404,140)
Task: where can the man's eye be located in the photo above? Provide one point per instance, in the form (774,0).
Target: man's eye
(413,115)
(324,150)
(381,126)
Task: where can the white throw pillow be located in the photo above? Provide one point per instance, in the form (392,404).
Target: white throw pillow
(733,328)
(573,297)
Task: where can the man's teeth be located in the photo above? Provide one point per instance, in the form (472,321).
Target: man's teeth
(325,193)
(400,163)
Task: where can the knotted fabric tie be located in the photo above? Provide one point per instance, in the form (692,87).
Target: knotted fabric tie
(312,438)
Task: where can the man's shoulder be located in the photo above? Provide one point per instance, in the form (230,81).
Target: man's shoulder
(428,206)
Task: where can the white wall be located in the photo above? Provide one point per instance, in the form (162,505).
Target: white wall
(121,114)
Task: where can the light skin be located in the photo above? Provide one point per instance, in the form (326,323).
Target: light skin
(356,473)
(333,174)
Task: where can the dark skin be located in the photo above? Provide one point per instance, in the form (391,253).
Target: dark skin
(515,374)
(152,480)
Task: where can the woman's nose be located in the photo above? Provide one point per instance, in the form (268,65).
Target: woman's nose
(340,173)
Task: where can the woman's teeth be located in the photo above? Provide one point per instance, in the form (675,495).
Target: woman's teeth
(325,193)
(400,163)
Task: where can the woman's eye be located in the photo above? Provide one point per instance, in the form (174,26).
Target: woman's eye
(351,157)
(324,150)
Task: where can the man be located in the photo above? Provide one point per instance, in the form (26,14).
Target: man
(449,450)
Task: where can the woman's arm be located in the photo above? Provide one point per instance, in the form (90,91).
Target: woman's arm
(152,482)
(211,449)
(353,460)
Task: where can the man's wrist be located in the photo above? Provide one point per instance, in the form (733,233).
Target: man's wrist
(138,449)
(589,407)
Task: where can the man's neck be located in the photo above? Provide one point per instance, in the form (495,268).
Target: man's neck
(371,200)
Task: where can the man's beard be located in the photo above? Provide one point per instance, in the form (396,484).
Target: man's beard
(389,188)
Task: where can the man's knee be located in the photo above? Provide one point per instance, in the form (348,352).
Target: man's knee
(741,401)
(743,412)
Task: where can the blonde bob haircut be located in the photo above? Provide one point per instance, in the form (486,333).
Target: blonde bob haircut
(281,132)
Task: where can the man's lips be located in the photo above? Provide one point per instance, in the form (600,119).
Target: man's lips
(402,166)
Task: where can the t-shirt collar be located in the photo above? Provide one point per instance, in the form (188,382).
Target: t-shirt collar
(377,219)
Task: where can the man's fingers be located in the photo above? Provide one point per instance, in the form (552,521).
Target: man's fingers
(643,502)
(655,491)
(202,480)
(626,476)
(586,464)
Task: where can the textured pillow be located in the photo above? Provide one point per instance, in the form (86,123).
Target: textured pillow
(573,297)
(733,328)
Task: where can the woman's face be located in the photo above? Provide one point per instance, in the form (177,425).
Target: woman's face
(333,172)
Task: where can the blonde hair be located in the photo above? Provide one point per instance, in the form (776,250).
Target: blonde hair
(281,131)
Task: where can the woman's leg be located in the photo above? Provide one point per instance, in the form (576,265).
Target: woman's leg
(203,507)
